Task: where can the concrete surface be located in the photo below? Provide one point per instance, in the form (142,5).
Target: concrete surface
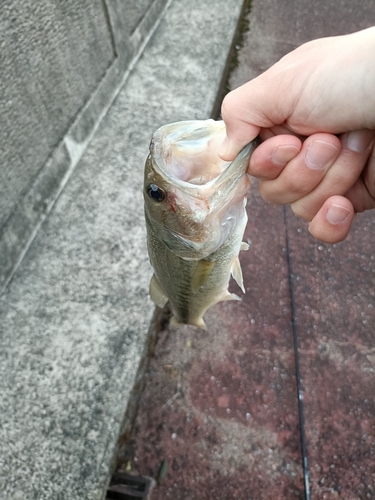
(74,319)
(220,409)
(61,67)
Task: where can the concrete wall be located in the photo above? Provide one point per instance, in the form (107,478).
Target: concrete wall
(61,63)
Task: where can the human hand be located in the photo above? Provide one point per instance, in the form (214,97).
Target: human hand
(323,86)
(325,179)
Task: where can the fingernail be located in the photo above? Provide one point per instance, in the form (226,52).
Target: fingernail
(359,140)
(337,214)
(319,154)
(283,154)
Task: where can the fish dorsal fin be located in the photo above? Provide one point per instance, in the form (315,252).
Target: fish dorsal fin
(157,295)
(236,272)
(201,274)
(244,246)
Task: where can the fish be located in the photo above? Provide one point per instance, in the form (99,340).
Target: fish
(195,213)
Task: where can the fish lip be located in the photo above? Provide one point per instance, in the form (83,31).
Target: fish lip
(198,190)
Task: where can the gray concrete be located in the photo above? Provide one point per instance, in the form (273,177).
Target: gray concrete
(74,319)
(61,66)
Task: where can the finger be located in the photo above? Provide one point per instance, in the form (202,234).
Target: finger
(341,176)
(270,157)
(362,193)
(369,173)
(333,221)
(304,172)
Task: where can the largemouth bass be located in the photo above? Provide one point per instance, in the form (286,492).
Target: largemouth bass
(195,217)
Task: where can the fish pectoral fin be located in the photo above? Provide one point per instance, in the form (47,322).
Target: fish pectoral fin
(236,272)
(199,323)
(229,296)
(201,274)
(157,295)
(244,246)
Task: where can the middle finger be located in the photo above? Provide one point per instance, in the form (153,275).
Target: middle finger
(304,172)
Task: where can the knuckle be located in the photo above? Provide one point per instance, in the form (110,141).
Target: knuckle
(271,194)
(297,186)
(276,191)
(300,209)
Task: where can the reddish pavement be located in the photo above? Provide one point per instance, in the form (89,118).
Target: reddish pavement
(220,408)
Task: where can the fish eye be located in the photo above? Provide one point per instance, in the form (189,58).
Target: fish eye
(155,192)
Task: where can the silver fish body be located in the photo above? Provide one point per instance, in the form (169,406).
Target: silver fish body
(195,217)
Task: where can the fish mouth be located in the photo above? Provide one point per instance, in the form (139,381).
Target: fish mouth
(187,152)
(203,196)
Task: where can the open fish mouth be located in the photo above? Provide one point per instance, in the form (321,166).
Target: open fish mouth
(188,154)
(193,198)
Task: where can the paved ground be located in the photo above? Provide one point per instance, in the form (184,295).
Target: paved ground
(74,320)
(220,409)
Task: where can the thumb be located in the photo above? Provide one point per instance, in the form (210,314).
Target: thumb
(244,113)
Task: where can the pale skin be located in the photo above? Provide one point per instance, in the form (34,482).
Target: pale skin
(315,113)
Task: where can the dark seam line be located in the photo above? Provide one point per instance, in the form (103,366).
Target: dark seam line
(305,465)
(111,31)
